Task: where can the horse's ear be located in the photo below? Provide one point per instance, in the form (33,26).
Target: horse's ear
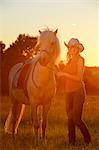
(55,32)
(40,32)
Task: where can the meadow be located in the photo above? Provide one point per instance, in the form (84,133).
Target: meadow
(56,132)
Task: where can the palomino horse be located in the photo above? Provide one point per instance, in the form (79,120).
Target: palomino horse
(40,84)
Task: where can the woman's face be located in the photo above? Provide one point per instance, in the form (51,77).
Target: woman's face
(73,51)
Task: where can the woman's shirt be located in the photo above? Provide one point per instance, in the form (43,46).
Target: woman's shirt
(72,85)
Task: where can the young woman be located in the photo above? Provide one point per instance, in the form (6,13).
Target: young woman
(75,90)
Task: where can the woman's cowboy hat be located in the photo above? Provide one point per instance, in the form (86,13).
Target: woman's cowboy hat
(74,43)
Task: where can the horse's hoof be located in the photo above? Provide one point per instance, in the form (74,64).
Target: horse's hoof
(36,141)
(44,140)
(14,136)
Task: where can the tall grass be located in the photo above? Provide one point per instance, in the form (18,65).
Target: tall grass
(57,135)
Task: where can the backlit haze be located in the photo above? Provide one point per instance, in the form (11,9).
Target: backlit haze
(73,18)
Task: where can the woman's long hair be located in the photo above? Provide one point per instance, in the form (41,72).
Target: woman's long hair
(69,57)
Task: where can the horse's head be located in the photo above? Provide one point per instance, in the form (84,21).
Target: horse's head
(48,44)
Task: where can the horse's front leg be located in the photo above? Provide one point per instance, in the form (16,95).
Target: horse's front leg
(44,118)
(35,121)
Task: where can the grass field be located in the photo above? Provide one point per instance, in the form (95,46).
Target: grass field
(56,132)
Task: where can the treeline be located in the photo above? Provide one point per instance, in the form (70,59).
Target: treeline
(18,51)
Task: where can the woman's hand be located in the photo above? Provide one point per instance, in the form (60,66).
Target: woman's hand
(61,74)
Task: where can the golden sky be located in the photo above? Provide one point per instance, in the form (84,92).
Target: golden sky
(73,18)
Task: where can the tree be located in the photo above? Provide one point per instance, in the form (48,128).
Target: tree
(24,44)
(2,47)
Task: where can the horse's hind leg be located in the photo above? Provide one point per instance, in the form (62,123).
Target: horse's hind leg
(35,121)
(17,111)
(14,118)
(44,117)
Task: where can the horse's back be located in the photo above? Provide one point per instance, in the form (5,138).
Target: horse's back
(13,72)
(18,74)
(17,69)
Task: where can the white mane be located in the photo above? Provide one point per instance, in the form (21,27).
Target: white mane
(49,42)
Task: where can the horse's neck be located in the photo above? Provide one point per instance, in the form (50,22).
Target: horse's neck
(42,74)
(47,68)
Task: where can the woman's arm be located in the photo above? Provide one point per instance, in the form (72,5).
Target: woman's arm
(80,72)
